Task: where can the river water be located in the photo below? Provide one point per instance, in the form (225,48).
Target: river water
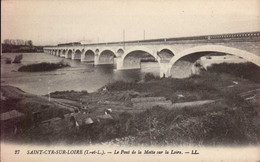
(85,76)
(79,76)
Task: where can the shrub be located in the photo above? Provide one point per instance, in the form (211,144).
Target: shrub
(42,67)
(243,70)
(120,86)
(150,76)
(71,95)
(8,61)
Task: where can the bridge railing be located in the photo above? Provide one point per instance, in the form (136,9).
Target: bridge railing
(233,36)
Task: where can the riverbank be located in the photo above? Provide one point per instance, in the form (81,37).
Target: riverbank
(208,109)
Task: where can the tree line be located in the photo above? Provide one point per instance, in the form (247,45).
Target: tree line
(19,46)
(18,42)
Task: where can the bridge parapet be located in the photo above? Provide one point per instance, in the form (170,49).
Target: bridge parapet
(165,51)
(247,36)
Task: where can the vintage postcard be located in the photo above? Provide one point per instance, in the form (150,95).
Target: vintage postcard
(128,80)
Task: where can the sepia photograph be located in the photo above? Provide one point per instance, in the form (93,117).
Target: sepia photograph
(128,80)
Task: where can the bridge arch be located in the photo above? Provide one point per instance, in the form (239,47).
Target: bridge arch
(59,53)
(106,57)
(120,52)
(166,48)
(63,52)
(133,58)
(97,51)
(199,51)
(88,56)
(55,52)
(165,54)
(144,49)
(69,54)
(102,50)
(77,55)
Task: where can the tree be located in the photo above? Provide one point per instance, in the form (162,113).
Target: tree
(22,42)
(13,42)
(7,41)
(18,42)
(30,43)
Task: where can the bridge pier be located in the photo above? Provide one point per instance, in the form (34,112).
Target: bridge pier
(68,54)
(119,63)
(96,59)
(76,55)
(73,56)
(103,60)
(128,64)
(134,63)
(87,59)
(87,56)
(165,70)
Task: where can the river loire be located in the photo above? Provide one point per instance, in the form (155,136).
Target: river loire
(79,76)
(85,76)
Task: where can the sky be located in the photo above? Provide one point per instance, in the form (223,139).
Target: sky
(49,22)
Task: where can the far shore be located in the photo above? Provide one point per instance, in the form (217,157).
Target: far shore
(10,48)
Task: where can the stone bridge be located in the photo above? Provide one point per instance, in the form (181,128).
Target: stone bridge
(128,55)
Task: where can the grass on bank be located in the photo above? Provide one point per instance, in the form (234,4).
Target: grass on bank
(39,67)
(207,86)
(219,81)
(215,124)
(205,125)
(150,76)
(248,70)
(70,95)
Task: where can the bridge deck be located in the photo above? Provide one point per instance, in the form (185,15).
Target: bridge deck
(250,36)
